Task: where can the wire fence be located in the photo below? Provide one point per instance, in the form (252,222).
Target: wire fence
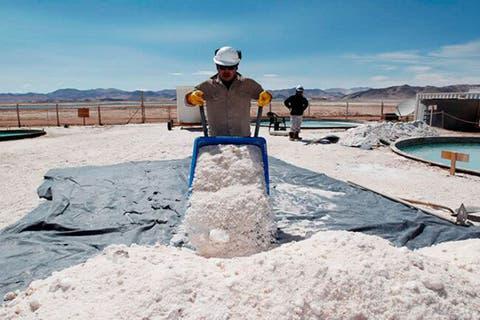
(446,120)
(68,114)
(61,114)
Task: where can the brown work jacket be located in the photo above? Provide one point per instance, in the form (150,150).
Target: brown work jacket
(228,110)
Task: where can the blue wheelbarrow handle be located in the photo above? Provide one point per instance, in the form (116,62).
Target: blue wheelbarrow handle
(204,121)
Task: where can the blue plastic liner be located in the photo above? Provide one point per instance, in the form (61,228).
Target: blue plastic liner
(207,141)
(89,208)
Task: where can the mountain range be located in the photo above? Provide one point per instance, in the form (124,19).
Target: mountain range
(359,93)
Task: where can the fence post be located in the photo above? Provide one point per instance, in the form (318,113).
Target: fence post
(18,117)
(58,118)
(381,111)
(99,115)
(143,110)
(169,113)
(346,110)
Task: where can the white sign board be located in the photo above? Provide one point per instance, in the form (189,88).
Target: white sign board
(186,114)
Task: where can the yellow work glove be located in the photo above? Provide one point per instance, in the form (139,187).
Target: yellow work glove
(196,98)
(264,98)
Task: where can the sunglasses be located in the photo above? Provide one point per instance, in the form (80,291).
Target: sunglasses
(226,67)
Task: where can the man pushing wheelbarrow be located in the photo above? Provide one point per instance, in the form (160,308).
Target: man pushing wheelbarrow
(227,97)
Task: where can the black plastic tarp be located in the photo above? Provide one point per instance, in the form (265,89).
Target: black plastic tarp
(89,208)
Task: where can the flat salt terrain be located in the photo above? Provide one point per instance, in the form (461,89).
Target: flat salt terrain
(23,163)
(337,275)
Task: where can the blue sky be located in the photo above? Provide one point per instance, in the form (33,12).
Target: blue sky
(153,45)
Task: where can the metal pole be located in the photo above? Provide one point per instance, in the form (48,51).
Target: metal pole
(99,115)
(257,123)
(204,121)
(346,110)
(18,117)
(58,118)
(431,115)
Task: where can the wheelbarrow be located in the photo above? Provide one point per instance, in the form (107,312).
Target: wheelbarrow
(220,140)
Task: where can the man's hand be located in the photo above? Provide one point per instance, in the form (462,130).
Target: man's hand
(196,98)
(264,98)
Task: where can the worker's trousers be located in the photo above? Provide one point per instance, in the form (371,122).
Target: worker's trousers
(295,123)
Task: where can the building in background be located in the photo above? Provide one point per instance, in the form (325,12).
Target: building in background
(459,111)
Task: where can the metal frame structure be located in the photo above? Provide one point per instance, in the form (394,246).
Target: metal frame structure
(422,105)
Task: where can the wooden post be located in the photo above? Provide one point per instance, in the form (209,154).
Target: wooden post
(169,113)
(143,109)
(381,111)
(18,117)
(346,110)
(453,157)
(58,118)
(99,115)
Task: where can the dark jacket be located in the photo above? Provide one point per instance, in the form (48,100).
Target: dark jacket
(297,104)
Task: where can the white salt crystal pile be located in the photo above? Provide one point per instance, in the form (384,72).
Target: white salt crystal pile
(332,275)
(371,135)
(229,213)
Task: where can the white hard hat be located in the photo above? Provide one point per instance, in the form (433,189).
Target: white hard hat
(227,56)
(299,88)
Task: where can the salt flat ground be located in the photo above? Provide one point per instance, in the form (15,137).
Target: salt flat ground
(332,275)
(24,162)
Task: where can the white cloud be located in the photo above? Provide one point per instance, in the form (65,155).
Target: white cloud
(390,57)
(270,75)
(175,73)
(178,33)
(387,67)
(418,69)
(399,56)
(432,79)
(203,73)
(466,50)
(379,78)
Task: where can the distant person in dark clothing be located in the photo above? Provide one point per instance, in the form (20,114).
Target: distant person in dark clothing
(297,104)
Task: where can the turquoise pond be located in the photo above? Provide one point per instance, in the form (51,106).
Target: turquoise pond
(432,152)
(319,124)
(13,134)
(19,134)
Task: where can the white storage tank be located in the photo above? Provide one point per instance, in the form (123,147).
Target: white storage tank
(186,114)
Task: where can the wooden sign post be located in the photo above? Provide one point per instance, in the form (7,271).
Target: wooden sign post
(83,113)
(453,157)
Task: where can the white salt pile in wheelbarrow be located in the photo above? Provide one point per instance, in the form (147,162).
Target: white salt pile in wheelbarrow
(229,214)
